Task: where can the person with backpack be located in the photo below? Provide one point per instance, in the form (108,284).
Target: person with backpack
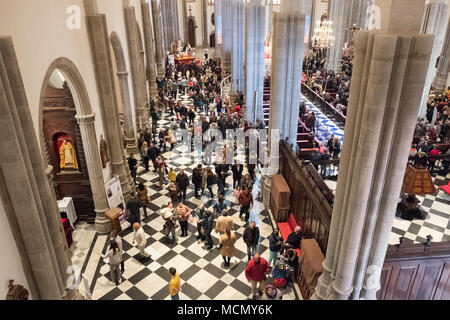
(275,245)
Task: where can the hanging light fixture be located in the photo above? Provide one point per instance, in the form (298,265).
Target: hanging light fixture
(323,34)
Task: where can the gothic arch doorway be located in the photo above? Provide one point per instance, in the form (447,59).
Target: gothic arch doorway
(191,31)
(63,99)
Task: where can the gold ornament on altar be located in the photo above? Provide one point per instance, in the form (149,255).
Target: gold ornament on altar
(67,156)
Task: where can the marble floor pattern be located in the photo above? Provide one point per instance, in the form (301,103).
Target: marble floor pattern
(202,274)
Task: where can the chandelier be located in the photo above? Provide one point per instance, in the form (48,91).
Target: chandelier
(323,34)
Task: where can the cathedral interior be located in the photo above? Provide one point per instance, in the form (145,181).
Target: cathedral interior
(225,150)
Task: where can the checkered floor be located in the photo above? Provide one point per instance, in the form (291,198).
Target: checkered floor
(202,273)
(436,224)
(325,127)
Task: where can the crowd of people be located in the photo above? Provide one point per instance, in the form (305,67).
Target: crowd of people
(201,82)
(432,131)
(333,87)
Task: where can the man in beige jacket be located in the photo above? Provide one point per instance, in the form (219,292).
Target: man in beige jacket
(139,239)
(224,222)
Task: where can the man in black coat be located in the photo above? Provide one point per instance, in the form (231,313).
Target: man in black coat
(153,153)
(237,173)
(197,180)
(208,224)
(251,239)
(132,164)
(148,136)
(182,183)
(133,208)
(294,239)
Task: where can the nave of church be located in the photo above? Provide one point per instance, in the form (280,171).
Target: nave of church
(225,150)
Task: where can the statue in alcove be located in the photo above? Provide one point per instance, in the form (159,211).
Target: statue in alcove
(104,152)
(68,158)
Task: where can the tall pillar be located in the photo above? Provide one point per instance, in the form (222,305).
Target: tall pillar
(25,192)
(157,28)
(254,60)
(435,22)
(130,134)
(369,182)
(358,16)
(205,23)
(226,35)
(218,17)
(287,58)
(169,12)
(339,14)
(134,53)
(440,80)
(149,49)
(93,161)
(238,45)
(101,56)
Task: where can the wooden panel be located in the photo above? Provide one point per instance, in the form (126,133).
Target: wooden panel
(412,273)
(404,283)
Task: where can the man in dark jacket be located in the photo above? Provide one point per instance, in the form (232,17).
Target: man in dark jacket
(200,215)
(133,207)
(153,153)
(182,183)
(132,164)
(197,180)
(251,239)
(294,239)
(208,224)
(237,173)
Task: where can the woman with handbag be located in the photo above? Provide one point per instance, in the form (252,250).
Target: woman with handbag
(184,214)
(143,197)
(227,241)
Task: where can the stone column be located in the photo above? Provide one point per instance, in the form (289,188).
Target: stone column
(135,66)
(149,49)
(370,179)
(169,12)
(440,80)
(93,161)
(254,60)
(238,45)
(226,35)
(358,14)
(101,55)
(157,28)
(130,135)
(339,14)
(29,202)
(218,17)
(287,59)
(435,22)
(185,26)
(205,23)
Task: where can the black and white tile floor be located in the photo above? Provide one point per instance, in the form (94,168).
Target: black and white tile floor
(202,273)
(436,224)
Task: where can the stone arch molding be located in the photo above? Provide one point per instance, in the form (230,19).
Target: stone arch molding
(77,88)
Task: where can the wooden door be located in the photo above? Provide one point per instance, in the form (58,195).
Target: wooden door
(191,33)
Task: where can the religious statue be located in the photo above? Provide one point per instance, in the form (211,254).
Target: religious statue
(67,156)
(104,152)
(324,17)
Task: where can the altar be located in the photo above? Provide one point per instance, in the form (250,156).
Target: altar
(183,59)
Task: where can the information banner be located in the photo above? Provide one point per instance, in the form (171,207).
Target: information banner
(115,195)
